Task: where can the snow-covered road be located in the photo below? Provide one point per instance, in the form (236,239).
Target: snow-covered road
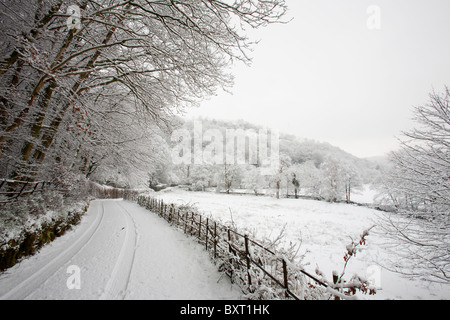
(119,251)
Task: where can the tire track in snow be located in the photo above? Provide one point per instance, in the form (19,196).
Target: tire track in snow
(117,286)
(32,282)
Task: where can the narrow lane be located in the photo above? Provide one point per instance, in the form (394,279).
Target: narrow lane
(119,251)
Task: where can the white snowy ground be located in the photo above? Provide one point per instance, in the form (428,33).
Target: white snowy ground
(323,229)
(122,252)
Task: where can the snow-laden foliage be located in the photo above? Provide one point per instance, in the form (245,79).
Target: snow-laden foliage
(306,168)
(418,185)
(356,282)
(49,203)
(35,220)
(93,85)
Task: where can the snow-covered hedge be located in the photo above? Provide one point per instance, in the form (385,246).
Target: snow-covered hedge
(35,220)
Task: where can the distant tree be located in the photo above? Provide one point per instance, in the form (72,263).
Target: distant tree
(309,177)
(227,176)
(351,178)
(333,179)
(253,179)
(296,184)
(282,174)
(158,175)
(201,177)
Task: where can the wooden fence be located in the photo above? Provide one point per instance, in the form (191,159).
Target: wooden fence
(13,189)
(247,262)
(243,259)
(104,192)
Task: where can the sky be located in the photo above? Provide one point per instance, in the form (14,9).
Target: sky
(346,72)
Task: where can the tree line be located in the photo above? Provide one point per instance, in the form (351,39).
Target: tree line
(306,167)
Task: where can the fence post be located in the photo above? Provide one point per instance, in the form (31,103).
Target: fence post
(229,240)
(21,190)
(247,257)
(192,224)
(215,239)
(206,237)
(200,227)
(35,187)
(285,278)
(231,252)
(335,281)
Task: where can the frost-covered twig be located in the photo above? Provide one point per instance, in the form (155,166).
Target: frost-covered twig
(356,282)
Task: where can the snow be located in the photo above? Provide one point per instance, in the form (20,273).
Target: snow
(15,218)
(122,251)
(322,229)
(126,252)
(367,195)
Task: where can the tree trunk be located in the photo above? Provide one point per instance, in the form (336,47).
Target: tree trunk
(8,62)
(48,138)
(278,189)
(227,190)
(37,126)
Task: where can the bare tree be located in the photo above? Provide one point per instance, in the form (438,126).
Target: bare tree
(419,186)
(285,162)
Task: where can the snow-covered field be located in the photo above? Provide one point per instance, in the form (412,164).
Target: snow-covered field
(119,251)
(123,251)
(323,230)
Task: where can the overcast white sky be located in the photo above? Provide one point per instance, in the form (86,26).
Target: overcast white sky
(327,76)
